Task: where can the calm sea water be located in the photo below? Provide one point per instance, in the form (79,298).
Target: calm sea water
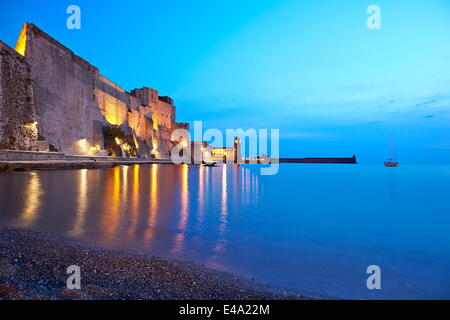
(313,228)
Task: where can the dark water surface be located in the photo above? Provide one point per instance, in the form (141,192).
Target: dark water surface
(314,228)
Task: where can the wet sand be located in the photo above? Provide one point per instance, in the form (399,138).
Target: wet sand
(33,266)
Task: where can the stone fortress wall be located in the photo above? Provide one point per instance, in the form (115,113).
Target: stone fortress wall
(76,109)
(17,114)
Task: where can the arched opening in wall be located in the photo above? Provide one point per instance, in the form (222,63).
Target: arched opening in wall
(119,143)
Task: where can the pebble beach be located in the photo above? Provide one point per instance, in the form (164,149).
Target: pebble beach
(33,266)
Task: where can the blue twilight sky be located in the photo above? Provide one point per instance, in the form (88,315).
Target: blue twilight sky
(310,68)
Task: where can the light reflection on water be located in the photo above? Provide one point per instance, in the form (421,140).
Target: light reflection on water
(32,195)
(312,228)
(80,219)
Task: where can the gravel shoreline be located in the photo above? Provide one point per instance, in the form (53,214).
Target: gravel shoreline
(33,266)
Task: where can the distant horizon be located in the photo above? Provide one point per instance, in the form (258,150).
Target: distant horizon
(332,87)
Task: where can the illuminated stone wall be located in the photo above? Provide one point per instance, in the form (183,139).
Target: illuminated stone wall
(17,117)
(163,113)
(74,102)
(113,109)
(63,93)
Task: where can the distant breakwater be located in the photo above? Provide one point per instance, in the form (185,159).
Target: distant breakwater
(351,160)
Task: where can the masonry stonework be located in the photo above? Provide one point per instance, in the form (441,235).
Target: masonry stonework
(17,114)
(77,110)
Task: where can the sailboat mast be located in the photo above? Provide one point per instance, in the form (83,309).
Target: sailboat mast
(393,148)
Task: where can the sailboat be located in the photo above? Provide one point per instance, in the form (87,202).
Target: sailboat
(392,162)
